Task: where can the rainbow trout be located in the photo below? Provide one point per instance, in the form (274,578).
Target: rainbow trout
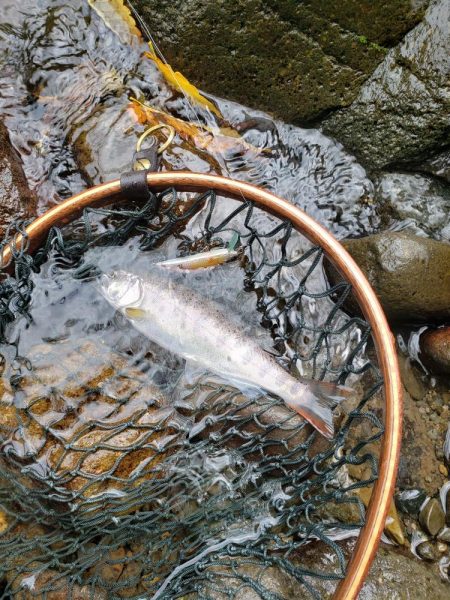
(185,323)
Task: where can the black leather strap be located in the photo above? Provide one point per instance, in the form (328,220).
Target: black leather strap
(134,183)
(148,158)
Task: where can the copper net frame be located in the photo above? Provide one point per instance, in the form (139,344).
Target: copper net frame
(381,497)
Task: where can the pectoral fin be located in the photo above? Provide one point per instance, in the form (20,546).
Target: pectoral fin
(133,312)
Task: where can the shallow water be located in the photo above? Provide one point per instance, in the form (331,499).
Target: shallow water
(64,88)
(70,369)
(65,84)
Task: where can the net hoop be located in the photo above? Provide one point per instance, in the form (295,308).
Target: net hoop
(381,497)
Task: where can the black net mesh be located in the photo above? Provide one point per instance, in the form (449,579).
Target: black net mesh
(116,483)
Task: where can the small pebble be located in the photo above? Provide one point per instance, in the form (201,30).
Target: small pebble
(410,501)
(439,453)
(442,548)
(443,470)
(426,551)
(444,535)
(432,517)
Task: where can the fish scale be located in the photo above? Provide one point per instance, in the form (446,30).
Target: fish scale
(185,323)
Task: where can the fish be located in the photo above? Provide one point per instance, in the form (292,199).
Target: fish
(201,260)
(197,329)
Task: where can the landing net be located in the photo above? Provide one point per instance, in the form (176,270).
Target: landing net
(114,483)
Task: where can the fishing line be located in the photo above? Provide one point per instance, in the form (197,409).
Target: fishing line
(146,30)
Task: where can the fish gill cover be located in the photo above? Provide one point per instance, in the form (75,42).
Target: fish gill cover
(123,475)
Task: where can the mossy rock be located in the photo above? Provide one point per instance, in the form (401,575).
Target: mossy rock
(296,60)
(401,113)
(409,274)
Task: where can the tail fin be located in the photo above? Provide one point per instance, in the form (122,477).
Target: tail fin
(315,402)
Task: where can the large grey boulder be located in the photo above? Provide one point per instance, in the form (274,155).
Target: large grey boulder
(417,203)
(402,112)
(410,274)
(298,60)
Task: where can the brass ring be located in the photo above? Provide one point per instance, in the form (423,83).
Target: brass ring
(150,130)
(381,498)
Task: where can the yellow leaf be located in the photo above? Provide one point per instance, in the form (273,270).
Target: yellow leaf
(117,17)
(179,82)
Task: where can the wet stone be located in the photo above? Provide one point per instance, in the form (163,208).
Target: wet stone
(426,551)
(415,203)
(16,199)
(394,527)
(444,535)
(409,274)
(401,112)
(410,501)
(432,517)
(438,164)
(435,350)
(446,448)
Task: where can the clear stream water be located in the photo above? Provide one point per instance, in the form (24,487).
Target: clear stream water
(65,85)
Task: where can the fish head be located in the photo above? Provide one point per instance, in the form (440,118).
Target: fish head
(121,289)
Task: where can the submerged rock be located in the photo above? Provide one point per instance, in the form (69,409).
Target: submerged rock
(39,583)
(399,577)
(418,467)
(444,535)
(106,413)
(401,112)
(438,164)
(410,501)
(16,199)
(432,517)
(246,577)
(297,60)
(394,527)
(435,349)
(395,575)
(416,203)
(426,551)
(409,274)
